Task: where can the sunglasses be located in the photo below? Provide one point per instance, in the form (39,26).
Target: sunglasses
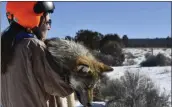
(49,22)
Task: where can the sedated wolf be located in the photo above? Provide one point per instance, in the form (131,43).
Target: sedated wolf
(77,66)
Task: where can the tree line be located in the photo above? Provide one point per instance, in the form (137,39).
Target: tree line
(96,40)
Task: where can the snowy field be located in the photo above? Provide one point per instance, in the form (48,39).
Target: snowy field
(139,54)
(161,76)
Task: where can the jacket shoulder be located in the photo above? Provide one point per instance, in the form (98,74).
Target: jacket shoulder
(30,46)
(31,42)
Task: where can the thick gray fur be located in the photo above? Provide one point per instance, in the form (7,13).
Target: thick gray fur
(66,51)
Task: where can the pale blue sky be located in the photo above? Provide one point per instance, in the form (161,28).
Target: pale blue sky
(135,19)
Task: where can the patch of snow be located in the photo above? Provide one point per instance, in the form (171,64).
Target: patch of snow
(161,76)
(94,104)
(139,53)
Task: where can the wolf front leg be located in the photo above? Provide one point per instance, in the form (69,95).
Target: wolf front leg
(71,100)
(58,101)
(61,102)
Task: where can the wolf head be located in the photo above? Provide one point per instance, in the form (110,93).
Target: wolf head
(81,66)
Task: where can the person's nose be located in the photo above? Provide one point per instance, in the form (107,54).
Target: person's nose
(48,27)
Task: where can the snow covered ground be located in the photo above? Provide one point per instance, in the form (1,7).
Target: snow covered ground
(94,104)
(139,53)
(161,76)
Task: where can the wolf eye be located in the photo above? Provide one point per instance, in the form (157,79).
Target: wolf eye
(83,68)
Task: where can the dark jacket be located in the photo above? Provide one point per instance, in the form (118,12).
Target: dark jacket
(29,77)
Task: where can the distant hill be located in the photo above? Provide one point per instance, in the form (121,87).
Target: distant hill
(162,42)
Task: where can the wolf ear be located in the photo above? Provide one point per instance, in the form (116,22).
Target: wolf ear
(83,68)
(105,68)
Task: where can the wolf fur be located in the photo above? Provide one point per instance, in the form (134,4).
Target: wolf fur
(66,52)
(76,65)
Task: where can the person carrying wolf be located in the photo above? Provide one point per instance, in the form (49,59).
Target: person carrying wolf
(26,76)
